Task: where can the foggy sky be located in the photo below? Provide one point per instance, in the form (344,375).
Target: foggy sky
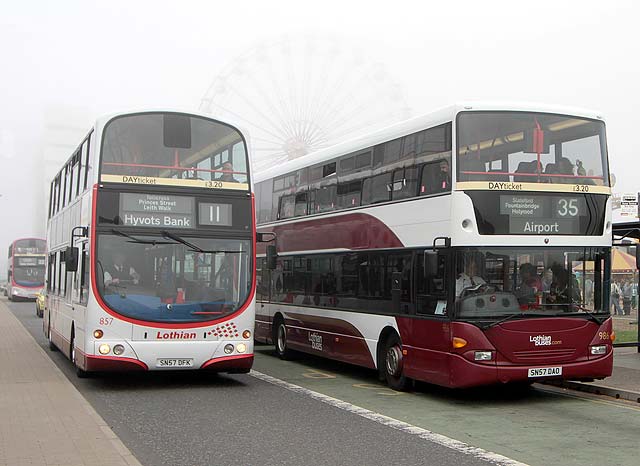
(94,59)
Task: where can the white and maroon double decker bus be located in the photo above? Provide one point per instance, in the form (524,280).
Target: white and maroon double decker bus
(26,268)
(470,246)
(151,247)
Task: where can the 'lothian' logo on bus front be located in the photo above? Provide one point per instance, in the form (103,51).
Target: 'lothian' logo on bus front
(176,335)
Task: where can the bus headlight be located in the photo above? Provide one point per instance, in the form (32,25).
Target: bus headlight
(241,348)
(118,350)
(228,348)
(104,348)
(599,349)
(483,356)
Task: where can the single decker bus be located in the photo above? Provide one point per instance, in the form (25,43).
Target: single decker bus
(151,247)
(26,268)
(466,247)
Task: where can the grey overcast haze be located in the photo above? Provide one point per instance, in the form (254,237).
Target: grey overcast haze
(64,63)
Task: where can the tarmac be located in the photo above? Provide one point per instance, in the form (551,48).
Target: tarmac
(44,420)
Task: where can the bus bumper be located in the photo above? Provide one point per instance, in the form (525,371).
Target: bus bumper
(465,373)
(238,364)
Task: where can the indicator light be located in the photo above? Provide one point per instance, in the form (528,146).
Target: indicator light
(459,342)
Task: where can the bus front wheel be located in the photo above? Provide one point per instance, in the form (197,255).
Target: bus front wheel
(72,351)
(392,364)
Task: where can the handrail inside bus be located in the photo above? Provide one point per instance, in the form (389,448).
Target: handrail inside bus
(172,167)
(550,175)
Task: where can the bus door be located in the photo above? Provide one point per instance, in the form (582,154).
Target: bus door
(429,331)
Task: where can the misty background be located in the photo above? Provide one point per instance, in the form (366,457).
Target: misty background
(65,63)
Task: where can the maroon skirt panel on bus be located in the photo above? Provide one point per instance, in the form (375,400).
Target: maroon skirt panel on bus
(328,337)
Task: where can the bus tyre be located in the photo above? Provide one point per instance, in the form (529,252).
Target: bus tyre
(392,364)
(280,340)
(72,351)
(52,346)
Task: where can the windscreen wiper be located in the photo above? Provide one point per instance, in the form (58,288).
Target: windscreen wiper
(133,239)
(176,238)
(522,315)
(193,247)
(591,315)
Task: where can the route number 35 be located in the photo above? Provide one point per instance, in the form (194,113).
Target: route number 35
(567,207)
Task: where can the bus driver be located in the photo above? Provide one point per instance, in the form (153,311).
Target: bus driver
(119,271)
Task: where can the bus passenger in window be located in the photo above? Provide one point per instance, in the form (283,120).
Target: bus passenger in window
(443,178)
(227,173)
(530,283)
(166,288)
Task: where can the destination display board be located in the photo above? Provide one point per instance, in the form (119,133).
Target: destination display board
(539,213)
(32,261)
(169,211)
(231,212)
(535,215)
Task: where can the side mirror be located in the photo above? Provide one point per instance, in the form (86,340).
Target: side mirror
(430,262)
(638,257)
(272,255)
(71,259)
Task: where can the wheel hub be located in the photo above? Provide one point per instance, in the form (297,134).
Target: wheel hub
(394,360)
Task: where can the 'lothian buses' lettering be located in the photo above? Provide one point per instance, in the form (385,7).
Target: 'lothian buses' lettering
(138,179)
(541,340)
(505,186)
(316,341)
(176,335)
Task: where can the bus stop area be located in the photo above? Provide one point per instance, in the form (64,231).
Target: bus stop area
(623,384)
(45,420)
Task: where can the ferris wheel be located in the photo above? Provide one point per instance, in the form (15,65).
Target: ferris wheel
(296,96)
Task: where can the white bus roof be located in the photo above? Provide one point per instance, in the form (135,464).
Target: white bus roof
(412,125)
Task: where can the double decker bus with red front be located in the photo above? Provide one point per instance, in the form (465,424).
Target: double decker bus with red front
(26,268)
(151,258)
(467,247)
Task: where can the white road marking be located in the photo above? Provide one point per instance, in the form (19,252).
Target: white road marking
(424,434)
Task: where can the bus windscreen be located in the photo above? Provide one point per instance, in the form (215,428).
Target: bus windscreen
(173,149)
(523,147)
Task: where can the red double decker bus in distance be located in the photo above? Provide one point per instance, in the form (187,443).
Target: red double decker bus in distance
(152,243)
(26,268)
(466,247)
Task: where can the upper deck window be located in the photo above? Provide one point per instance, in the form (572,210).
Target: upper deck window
(173,149)
(523,147)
